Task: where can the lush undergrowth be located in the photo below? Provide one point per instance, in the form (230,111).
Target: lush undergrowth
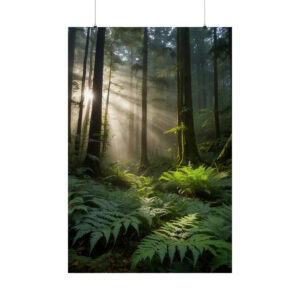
(175,221)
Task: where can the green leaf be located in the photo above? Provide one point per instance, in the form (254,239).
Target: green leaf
(162,252)
(171,251)
(95,237)
(182,250)
(116,231)
(126,225)
(78,207)
(195,252)
(106,232)
(80,234)
(76,200)
(135,226)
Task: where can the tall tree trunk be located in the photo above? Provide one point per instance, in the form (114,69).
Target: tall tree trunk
(144,157)
(77,140)
(105,128)
(71,52)
(88,109)
(131,112)
(137,119)
(189,148)
(91,61)
(179,100)
(94,142)
(216,96)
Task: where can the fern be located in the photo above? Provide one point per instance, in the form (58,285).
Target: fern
(219,222)
(204,182)
(104,224)
(102,214)
(180,236)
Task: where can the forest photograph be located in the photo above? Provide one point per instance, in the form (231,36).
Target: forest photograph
(149,150)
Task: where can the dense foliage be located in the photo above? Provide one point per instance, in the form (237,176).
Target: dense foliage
(149,149)
(187,229)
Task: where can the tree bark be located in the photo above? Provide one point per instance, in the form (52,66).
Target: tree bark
(88,109)
(144,157)
(78,138)
(216,96)
(105,128)
(189,150)
(71,52)
(91,61)
(131,112)
(94,142)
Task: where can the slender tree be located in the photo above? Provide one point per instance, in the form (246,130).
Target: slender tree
(71,52)
(88,109)
(188,151)
(94,146)
(216,96)
(77,140)
(144,157)
(105,127)
(131,108)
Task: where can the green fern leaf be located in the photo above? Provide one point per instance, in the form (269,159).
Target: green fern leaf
(116,231)
(76,200)
(126,225)
(182,250)
(80,233)
(171,251)
(95,237)
(195,253)
(162,252)
(106,232)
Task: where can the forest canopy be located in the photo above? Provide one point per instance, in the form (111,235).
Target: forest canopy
(149,127)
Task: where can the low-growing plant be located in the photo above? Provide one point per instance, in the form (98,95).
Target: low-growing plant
(180,236)
(202,182)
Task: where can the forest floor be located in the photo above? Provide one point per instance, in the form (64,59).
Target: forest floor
(173,221)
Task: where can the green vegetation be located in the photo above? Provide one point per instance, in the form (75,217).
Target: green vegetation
(149,149)
(188,228)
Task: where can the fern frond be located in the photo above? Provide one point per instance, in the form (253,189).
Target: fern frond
(182,235)
(104,224)
(202,181)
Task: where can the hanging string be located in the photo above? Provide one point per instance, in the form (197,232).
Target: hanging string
(95,13)
(204,14)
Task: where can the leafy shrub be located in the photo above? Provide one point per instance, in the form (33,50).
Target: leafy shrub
(101,213)
(104,224)
(144,185)
(118,177)
(183,234)
(201,182)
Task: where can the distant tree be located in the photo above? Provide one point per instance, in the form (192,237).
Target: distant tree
(230,52)
(93,40)
(131,107)
(78,134)
(85,126)
(94,142)
(71,52)
(144,157)
(188,151)
(216,91)
(105,123)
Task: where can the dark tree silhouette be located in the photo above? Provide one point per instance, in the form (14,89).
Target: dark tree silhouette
(188,151)
(71,52)
(93,150)
(144,156)
(78,138)
(216,92)
(105,126)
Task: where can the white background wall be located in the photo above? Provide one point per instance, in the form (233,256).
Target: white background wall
(33,158)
